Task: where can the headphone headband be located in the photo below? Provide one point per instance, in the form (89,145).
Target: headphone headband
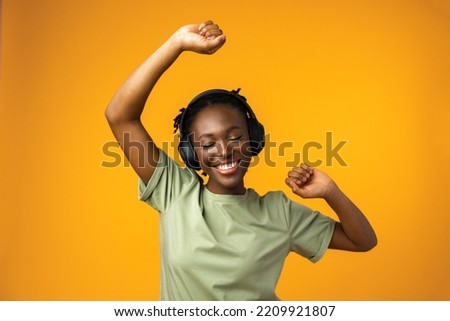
(179,120)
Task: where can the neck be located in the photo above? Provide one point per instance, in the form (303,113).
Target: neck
(235,190)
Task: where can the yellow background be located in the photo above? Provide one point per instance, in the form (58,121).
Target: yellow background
(374,73)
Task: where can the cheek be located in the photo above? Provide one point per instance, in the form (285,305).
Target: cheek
(244,148)
(204,157)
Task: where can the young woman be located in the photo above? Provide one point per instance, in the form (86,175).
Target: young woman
(221,240)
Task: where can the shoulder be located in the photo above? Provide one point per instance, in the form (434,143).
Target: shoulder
(279,202)
(168,182)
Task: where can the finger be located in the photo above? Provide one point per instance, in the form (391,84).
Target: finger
(209,30)
(211,33)
(302,172)
(294,174)
(289,182)
(208,25)
(203,24)
(307,167)
(215,44)
(298,178)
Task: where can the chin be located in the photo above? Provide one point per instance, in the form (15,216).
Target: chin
(227,176)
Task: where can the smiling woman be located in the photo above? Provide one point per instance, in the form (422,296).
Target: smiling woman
(223,241)
(219,133)
(222,145)
(371,74)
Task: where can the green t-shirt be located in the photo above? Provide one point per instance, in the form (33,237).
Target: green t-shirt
(227,247)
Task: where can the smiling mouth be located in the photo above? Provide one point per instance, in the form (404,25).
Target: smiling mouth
(227,168)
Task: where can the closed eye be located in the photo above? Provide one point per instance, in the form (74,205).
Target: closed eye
(234,139)
(207,145)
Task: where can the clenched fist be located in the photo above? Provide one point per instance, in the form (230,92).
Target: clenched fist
(308,182)
(205,38)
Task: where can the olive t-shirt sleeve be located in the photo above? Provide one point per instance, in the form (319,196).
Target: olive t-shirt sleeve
(167,183)
(310,231)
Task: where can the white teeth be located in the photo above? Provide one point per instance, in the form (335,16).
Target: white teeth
(228,166)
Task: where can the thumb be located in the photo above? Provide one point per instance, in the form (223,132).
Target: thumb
(214,42)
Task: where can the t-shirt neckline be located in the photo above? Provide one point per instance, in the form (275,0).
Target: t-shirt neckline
(226,197)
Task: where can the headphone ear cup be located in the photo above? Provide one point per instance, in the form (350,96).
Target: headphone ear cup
(257,136)
(187,153)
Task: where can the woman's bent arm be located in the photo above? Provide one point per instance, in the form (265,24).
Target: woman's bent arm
(353,232)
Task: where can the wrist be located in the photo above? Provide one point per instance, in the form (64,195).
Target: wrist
(175,42)
(331,192)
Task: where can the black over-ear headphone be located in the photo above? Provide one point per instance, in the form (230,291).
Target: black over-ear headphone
(255,128)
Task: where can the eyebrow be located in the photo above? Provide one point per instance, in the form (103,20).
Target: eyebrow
(226,132)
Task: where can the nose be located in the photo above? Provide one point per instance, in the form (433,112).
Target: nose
(222,149)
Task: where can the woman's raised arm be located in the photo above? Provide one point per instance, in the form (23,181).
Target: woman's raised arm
(124,111)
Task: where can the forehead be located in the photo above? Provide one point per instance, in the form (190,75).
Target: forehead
(218,118)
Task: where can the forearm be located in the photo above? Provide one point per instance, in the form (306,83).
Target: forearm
(354,224)
(129,101)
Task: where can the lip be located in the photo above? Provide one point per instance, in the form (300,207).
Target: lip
(226,168)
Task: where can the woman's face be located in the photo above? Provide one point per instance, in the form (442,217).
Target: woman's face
(221,142)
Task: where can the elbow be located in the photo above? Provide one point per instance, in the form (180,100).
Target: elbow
(110,115)
(369,245)
(114,116)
